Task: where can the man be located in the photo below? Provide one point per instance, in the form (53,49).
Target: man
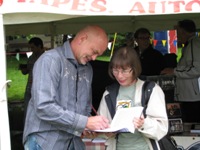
(36,46)
(59,110)
(187,71)
(151,59)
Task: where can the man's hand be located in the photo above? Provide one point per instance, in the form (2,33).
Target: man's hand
(167,71)
(89,134)
(97,123)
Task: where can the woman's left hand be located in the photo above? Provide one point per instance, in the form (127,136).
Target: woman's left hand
(138,122)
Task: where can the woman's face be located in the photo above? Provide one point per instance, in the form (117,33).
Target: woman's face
(123,76)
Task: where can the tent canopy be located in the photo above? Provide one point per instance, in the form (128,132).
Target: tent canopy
(110,23)
(62,16)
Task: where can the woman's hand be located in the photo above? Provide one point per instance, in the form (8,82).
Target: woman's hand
(138,122)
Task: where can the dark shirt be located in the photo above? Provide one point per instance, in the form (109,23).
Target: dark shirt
(151,61)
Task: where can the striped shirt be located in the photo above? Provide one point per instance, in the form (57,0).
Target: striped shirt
(61,99)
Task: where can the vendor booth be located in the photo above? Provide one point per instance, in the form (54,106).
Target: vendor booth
(53,17)
(186,135)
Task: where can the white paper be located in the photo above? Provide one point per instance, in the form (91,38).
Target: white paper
(123,120)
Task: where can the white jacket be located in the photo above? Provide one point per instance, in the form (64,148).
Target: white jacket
(155,124)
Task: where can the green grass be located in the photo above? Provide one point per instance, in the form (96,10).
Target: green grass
(15,92)
(103,58)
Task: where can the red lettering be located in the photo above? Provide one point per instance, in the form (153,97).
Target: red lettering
(76,4)
(137,7)
(163,6)
(100,8)
(188,7)
(45,2)
(56,3)
(22,1)
(1,2)
(152,7)
(177,5)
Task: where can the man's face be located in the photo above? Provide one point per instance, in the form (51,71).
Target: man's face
(90,49)
(143,40)
(181,35)
(33,48)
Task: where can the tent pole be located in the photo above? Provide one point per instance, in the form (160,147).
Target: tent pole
(113,44)
(4,123)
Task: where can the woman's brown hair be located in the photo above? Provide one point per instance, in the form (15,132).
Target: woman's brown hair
(125,57)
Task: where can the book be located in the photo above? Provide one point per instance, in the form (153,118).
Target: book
(123,120)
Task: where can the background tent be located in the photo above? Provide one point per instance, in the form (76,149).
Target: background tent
(110,23)
(68,16)
(62,16)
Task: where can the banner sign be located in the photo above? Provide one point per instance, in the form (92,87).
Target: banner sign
(101,7)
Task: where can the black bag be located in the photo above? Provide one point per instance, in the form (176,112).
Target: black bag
(167,142)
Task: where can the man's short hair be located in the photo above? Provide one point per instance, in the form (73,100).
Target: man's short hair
(36,41)
(187,25)
(141,31)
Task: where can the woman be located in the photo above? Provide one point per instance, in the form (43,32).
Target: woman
(125,68)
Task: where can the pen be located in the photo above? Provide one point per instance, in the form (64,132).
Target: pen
(94,110)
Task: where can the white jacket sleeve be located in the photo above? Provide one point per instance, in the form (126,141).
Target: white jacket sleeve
(156,123)
(103,110)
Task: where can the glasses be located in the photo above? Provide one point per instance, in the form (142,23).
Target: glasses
(123,72)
